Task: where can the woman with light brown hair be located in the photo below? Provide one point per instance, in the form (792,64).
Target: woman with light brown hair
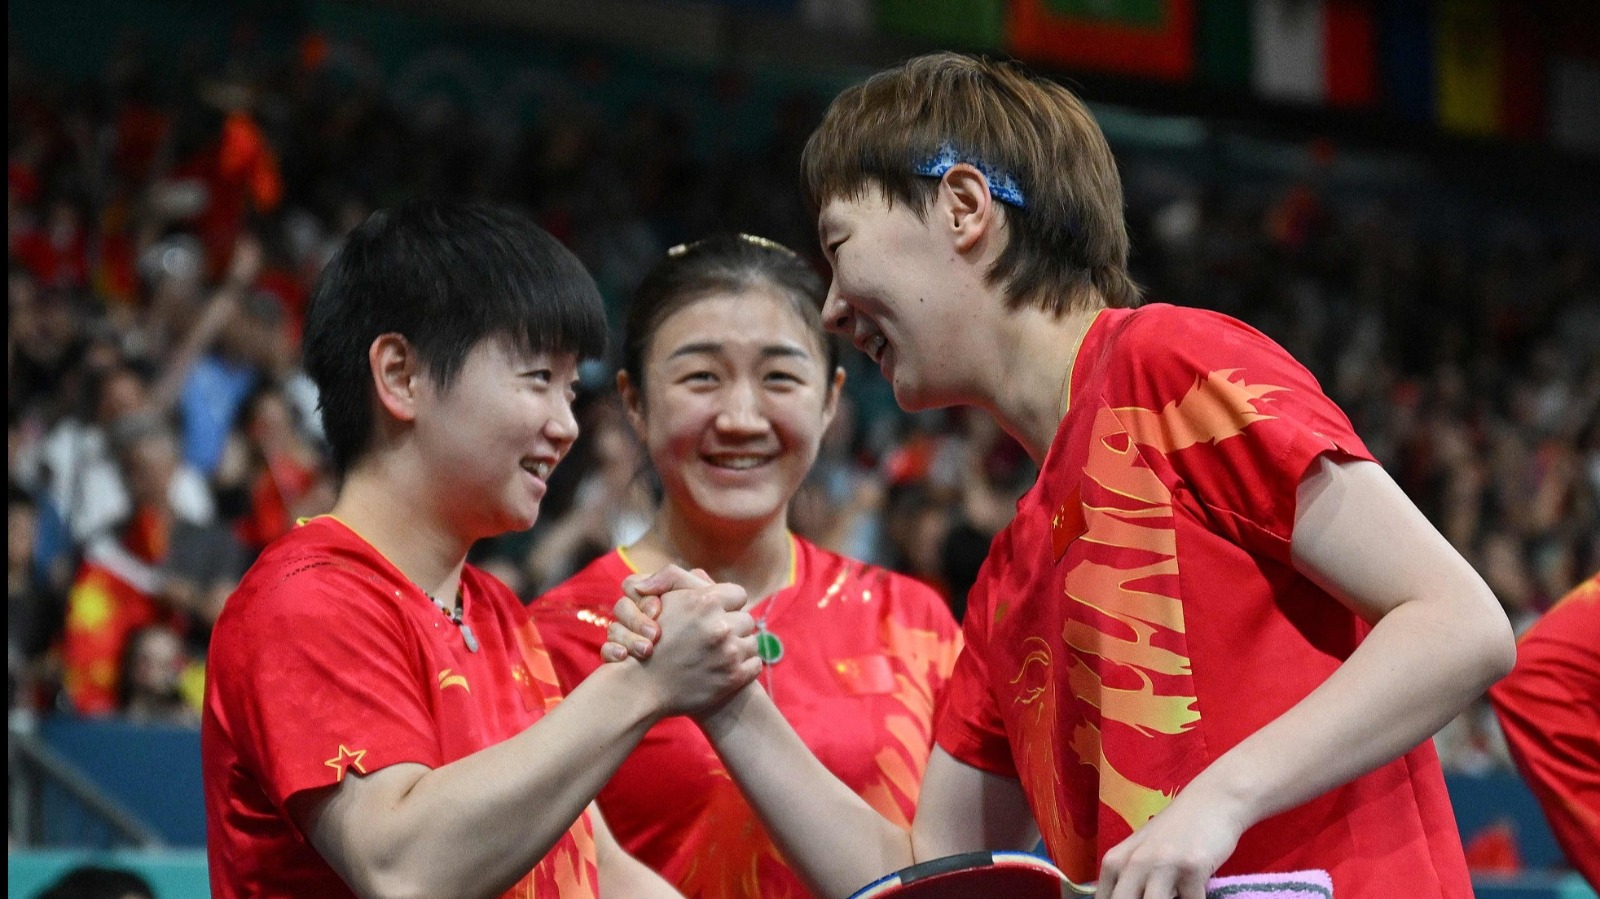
(1216,635)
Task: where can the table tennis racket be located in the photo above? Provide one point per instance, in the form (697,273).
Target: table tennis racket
(973,875)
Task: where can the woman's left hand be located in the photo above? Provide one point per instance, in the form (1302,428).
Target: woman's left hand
(633,630)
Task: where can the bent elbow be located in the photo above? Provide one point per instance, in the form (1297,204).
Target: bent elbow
(1496,647)
(394,879)
(1503,655)
(395,884)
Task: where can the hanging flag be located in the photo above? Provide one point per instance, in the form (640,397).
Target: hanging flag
(1224,43)
(1350,61)
(103,611)
(765,6)
(1405,29)
(1575,104)
(972,24)
(1287,37)
(1524,53)
(1152,38)
(1574,98)
(1314,51)
(1467,66)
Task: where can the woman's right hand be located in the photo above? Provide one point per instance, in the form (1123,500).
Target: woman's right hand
(701,643)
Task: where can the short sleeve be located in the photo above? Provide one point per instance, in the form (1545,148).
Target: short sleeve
(1237,421)
(328,679)
(967,724)
(1549,710)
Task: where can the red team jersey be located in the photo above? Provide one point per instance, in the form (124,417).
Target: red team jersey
(866,651)
(1140,616)
(1549,707)
(328,661)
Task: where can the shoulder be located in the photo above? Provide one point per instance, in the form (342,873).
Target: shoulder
(1163,354)
(309,608)
(1160,331)
(310,575)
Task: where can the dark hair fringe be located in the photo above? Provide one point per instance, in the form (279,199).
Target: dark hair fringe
(722,263)
(445,276)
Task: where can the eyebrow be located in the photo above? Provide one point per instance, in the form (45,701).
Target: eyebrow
(713,347)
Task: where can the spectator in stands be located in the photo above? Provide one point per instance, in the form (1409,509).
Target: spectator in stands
(270,475)
(612,505)
(76,463)
(33,610)
(729,381)
(233,347)
(129,578)
(158,679)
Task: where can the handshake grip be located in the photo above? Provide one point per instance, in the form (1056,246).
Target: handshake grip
(689,631)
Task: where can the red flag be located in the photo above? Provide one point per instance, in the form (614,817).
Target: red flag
(1133,37)
(103,610)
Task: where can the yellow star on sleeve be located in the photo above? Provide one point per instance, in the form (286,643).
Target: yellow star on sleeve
(346,760)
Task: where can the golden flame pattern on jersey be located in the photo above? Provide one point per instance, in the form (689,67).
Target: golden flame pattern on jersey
(1125,637)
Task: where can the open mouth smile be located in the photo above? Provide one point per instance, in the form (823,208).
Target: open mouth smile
(742,462)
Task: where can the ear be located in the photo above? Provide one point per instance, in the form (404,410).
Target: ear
(966,208)
(632,402)
(830,406)
(396,375)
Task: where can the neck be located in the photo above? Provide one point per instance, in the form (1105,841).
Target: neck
(400,521)
(754,556)
(1031,396)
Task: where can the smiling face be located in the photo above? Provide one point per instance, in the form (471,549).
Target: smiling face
(892,297)
(492,437)
(736,397)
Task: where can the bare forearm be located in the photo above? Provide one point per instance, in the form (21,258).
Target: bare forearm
(476,826)
(1413,673)
(832,838)
(623,875)
(223,304)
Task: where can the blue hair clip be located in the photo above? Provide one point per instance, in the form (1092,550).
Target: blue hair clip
(1002,185)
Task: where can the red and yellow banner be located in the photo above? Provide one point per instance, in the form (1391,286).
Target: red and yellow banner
(1152,38)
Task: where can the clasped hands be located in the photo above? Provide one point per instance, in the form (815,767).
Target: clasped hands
(1171,856)
(691,632)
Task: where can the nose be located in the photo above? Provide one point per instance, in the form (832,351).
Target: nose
(741,410)
(562,426)
(835,311)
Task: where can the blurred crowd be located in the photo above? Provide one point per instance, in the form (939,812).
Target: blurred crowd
(167,221)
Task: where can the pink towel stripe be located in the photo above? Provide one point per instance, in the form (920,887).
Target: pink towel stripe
(1291,885)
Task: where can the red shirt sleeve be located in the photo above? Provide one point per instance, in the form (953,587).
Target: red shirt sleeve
(966,722)
(325,663)
(1239,421)
(1549,708)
